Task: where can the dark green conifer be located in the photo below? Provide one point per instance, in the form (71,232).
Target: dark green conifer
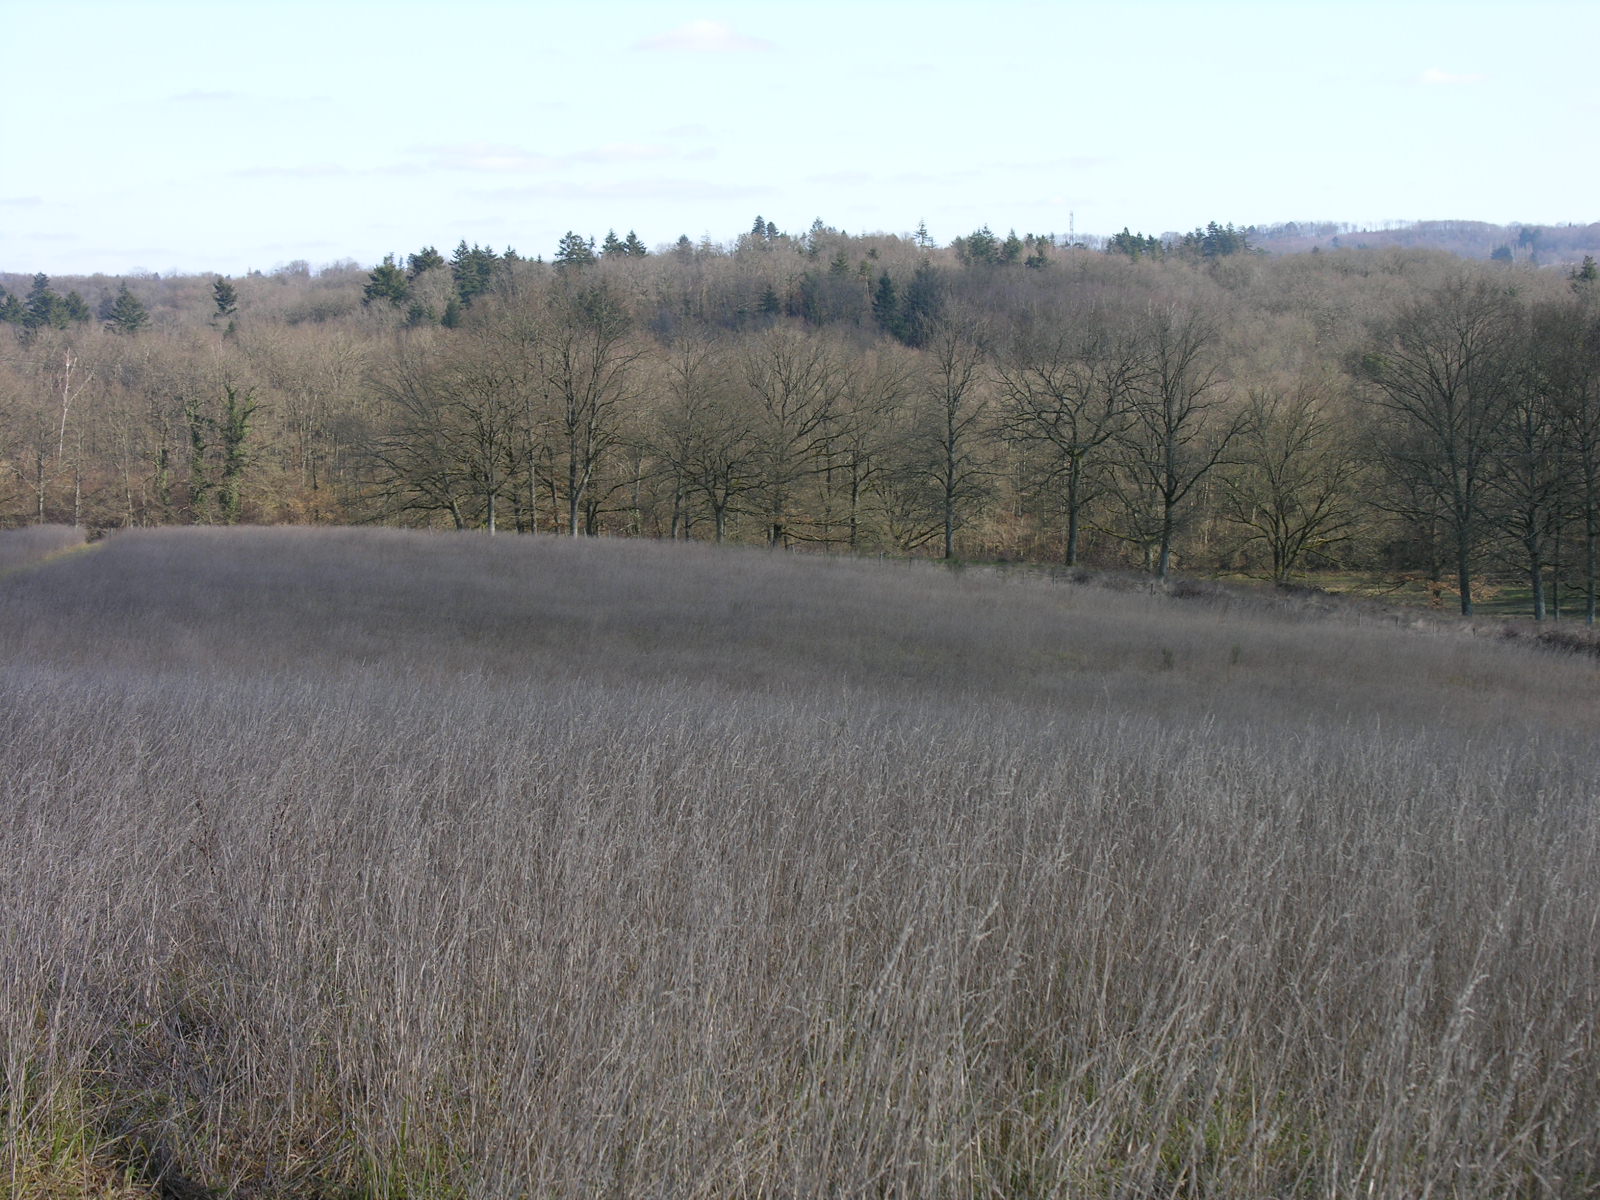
(125,314)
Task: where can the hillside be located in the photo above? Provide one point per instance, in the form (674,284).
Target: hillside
(383,863)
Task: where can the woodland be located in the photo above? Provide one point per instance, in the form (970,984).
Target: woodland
(1180,403)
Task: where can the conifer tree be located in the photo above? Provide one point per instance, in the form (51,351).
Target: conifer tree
(387,282)
(43,308)
(425,259)
(473,270)
(225,297)
(574,251)
(125,314)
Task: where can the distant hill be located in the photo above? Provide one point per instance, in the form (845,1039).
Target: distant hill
(1541,245)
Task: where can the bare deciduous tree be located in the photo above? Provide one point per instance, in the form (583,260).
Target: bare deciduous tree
(1442,374)
(1292,484)
(1179,428)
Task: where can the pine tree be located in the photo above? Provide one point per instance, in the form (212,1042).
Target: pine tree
(43,307)
(574,251)
(612,247)
(633,247)
(225,297)
(886,306)
(11,309)
(125,314)
(473,270)
(922,305)
(387,282)
(425,259)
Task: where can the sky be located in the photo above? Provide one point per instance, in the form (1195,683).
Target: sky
(236,135)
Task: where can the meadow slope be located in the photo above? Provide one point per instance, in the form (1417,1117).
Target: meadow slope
(361,863)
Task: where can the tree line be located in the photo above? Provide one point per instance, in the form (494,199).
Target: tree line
(1180,405)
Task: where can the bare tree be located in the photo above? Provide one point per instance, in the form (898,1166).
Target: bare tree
(1292,484)
(946,453)
(1179,428)
(702,434)
(1564,364)
(795,382)
(1072,392)
(424,458)
(861,451)
(1442,374)
(590,357)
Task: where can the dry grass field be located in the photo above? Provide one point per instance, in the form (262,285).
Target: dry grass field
(359,863)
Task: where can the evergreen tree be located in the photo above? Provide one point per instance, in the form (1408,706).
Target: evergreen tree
(225,297)
(1038,257)
(11,309)
(425,259)
(612,247)
(1134,245)
(43,307)
(387,282)
(76,308)
(125,314)
(574,251)
(978,248)
(633,247)
(886,306)
(473,270)
(922,305)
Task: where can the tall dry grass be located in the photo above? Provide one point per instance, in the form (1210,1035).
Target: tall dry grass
(369,864)
(33,544)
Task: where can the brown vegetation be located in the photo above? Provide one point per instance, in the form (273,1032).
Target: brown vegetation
(1191,405)
(371,863)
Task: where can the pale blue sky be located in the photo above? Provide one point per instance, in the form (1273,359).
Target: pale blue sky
(237,134)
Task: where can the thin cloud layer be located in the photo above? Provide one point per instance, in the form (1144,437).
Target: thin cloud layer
(705,37)
(1436,77)
(495,158)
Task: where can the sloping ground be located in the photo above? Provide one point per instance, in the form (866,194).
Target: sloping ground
(34,544)
(369,863)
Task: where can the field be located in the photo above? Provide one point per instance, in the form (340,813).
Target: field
(360,863)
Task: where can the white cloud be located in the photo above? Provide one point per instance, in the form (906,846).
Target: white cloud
(705,37)
(488,156)
(304,171)
(1435,77)
(659,189)
(498,158)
